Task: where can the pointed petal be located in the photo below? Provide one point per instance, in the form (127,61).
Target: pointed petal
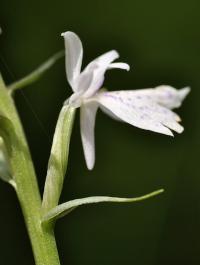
(98,67)
(104,60)
(87,124)
(139,111)
(74,56)
(123,66)
(166,96)
(170,97)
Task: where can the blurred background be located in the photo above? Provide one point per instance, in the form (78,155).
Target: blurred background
(161,42)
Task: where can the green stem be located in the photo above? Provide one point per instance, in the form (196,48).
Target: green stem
(41,237)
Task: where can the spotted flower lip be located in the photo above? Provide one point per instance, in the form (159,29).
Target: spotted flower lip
(149,109)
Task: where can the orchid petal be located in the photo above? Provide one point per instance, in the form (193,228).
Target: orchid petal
(139,111)
(74,56)
(99,67)
(123,66)
(87,124)
(109,113)
(166,96)
(84,81)
(103,60)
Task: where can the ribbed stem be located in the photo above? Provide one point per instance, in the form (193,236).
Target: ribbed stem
(41,237)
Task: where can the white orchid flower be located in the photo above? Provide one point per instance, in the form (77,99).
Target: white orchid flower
(148,109)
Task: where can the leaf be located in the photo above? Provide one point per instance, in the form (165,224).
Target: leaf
(36,74)
(64,208)
(58,158)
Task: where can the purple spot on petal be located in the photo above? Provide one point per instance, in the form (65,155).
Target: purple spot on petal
(144,116)
(169,95)
(110,96)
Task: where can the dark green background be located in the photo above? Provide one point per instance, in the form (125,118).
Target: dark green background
(161,42)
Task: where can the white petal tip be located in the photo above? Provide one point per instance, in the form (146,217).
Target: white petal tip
(180,130)
(171,125)
(123,66)
(89,164)
(64,34)
(177,128)
(126,67)
(169,133)
(184,92)
(116,53)
(90,167)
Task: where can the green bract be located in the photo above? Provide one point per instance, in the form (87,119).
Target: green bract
(65,208)
(58,158)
